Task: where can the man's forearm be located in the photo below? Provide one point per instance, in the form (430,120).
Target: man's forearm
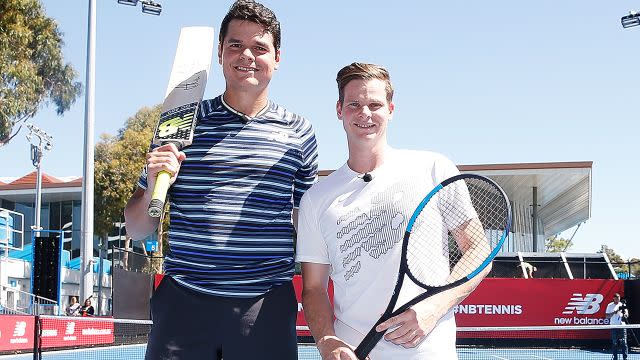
(139,223)
(318,313)
(452,297)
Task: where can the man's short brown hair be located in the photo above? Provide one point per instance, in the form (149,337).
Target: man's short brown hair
(362,71)
(255,12)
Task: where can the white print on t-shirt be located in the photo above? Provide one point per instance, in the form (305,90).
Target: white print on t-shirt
(375,232)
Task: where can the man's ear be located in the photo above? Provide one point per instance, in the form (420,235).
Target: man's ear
(220,53)
(339,109)
(277,59)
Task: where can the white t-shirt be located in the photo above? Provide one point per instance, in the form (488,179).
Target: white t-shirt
(357,228)
(616,319)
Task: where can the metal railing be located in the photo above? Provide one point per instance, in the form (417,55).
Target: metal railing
(17,302)
(133,261)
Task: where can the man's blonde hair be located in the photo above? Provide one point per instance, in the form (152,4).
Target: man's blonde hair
(362,71)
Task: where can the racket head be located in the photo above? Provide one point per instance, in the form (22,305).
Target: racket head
(455,231)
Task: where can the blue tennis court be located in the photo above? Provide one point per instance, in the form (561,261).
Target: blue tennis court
(309,352)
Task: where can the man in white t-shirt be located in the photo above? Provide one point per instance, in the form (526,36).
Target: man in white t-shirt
(350,229)
(617,313)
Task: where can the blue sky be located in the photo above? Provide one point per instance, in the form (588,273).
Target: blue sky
(481,82)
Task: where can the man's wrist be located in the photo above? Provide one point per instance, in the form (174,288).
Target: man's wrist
(326,338)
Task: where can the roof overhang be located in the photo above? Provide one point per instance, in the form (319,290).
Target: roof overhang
(49,194)
(563,189)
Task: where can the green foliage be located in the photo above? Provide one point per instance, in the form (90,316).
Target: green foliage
(557,244)
(621,265)
(611,254)
(118,162)
(32,70)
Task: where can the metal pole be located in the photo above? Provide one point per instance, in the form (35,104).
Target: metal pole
(86,244)
(100,276)
(45,142)
(38,188)
(534,228)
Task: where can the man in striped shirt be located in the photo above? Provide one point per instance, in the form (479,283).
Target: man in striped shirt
(227,290)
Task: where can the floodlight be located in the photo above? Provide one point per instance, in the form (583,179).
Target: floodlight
(128,2)
(150,7)
(631,20)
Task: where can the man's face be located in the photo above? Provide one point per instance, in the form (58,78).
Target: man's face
(247,56)
(365,111)
(616,299)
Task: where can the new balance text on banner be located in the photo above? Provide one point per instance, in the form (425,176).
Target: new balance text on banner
(65,331)
(16,332)
(533,302)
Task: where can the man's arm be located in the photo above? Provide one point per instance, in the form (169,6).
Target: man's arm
(611,310)
(319,314)
(418,321)
(139,223)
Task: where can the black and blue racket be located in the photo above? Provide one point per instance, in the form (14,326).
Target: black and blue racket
(453,234)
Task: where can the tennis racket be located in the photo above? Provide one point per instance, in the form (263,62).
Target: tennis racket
(453,234)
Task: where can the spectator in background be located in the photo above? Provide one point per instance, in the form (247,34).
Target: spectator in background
(74,307)
(87,308)
(617,313)
(528,269)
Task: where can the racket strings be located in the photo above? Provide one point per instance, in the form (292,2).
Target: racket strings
(456,231)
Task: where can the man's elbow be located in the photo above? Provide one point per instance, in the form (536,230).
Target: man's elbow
(486,270)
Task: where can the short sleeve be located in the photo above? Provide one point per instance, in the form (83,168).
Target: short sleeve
(311,247)
(142,180)
(307,174)
(454,195)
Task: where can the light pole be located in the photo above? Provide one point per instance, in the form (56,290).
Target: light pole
(44,142)
(86,242)
(148,6)
(631,20)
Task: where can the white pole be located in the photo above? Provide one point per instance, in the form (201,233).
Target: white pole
(39,154)
(86,244)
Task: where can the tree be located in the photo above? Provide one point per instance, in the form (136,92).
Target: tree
(32,70)
(611,254)
(557,244)
(118,161)
(632,266)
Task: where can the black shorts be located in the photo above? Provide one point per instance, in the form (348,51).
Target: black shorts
(191,325)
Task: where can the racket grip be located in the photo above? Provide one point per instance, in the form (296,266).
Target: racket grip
(369,342)
(156,206)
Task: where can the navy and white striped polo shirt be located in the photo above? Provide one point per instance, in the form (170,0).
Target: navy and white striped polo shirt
(230,207)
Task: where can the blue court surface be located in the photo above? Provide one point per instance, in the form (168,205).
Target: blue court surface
(309,352)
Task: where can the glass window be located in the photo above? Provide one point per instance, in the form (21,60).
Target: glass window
(27,210)
(76,228)
(54,217)
(6,204)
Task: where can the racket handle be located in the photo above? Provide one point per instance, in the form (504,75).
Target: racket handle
(369,342)
(156,206)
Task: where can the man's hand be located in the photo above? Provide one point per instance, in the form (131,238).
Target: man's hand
(413,325)
(333,348)
(166,157)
